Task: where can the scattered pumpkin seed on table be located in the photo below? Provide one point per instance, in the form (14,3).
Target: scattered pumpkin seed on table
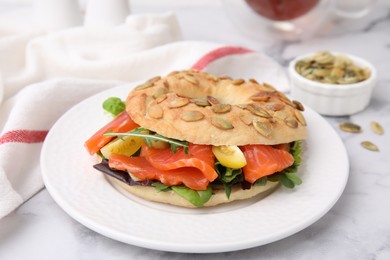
(377,128)
(354,128)
(369,146)
(350,127)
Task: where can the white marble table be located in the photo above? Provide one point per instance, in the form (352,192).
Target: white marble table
(357,227)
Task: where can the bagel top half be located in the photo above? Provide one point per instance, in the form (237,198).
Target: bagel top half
(202,108)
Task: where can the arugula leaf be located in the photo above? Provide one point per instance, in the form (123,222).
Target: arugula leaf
(143,132)
(228,190)
(197,197)
(114,105)
(287,177)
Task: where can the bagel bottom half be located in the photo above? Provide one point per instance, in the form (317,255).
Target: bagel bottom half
(218,197)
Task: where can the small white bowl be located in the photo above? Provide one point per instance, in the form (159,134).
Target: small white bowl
(333,99)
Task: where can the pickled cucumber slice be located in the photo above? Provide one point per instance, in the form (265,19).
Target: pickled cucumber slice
(127,145)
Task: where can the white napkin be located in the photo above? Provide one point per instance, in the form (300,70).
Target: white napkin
(61,69)
(84,52)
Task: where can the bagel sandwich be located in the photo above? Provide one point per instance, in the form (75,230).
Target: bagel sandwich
(193,139)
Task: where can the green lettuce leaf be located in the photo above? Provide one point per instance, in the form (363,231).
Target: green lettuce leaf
(161,187)
(197,197)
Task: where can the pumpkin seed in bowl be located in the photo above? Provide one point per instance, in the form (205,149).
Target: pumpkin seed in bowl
(326,67)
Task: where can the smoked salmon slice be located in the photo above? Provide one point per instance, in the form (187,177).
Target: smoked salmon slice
(121,123)
(142,169)
(263,160)
(199,156)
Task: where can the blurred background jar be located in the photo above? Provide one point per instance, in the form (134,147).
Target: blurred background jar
(290,19)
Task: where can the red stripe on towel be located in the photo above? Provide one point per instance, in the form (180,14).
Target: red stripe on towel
(23,136)
(217,54)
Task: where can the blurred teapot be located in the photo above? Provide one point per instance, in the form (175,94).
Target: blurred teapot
(291,19)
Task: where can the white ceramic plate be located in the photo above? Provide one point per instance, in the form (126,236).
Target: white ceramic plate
(87,196)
